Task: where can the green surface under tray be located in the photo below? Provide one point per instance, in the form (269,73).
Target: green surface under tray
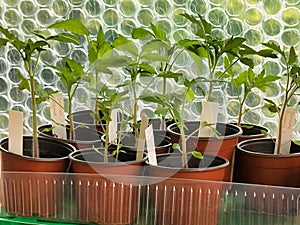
(22,220)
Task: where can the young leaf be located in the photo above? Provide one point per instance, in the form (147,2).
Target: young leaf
(161,111)
(190,95)
(65,37)
(247,61)
(292,56)
(153,57)
(101,65)
(3,41)
(275,47)
(139,33)
(233,43)
(159,33)
(72,25)
(154,46)
(176,146)
(24,84)
(197,155)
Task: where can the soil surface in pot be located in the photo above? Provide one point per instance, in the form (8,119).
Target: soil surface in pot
(84,137)
(176,162)
(161,140)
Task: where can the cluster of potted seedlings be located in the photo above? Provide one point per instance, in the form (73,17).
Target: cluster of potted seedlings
(109,139)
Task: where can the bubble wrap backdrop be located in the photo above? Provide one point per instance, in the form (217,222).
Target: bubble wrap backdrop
(256,20)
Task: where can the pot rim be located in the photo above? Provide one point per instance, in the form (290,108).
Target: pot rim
(168,139)
(240,145)
(225,164)
(69,140)
(59,142)
(72,157)
(254,125)
(238,133)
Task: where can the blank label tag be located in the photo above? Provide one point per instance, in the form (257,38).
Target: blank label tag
(287,130)
(209,115)
(113,127)
(141,139)
(57,115)
(150,146)
(15,130)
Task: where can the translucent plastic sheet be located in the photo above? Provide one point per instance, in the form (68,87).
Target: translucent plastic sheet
(83,198)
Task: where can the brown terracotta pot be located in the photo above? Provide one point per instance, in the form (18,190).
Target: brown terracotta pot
(191,198)
(101,196)
(162,142)
(36,193)
(224,145)
(252,131)
(255,163)
(84,137)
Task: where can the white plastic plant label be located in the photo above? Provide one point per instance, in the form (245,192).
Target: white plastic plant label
(15,130)
(287,131)
(113,127)
(141,139)
(57,115)
(150,146)
(209,117)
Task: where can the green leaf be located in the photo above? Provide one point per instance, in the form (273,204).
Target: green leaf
(264,132)
(176,146)
(116,61)
(186,43)
(47,129)
(9,35)
(250,75)
(241,79)
(248,62)
(154,57)
(170,74)
(147,68)
(154,46)
(292,56)
(233,43)
(139,33)
(123,44)
(3,41)
(190,96)
(275,47)
(267,53)
(155,98)
(190,17)
(65,37)
(100,36)
(161,111)
(72,25)
(197,155)
(247,126)
(202,52)
(159,33)
(296,142)
(24,84)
